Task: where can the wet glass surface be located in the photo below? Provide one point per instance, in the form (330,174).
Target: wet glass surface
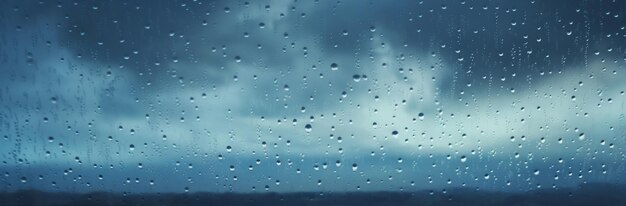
(196,102)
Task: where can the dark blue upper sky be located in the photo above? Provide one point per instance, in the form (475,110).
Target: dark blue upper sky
(281,96)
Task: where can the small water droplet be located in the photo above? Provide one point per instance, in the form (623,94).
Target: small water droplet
(334,66)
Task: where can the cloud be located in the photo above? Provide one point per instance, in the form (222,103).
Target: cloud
(221,84)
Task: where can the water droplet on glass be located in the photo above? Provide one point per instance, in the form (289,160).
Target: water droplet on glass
(334,66)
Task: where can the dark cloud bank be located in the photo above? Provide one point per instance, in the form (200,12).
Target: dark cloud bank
(592,194)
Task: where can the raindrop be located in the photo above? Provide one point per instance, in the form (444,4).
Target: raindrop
(394,133)
(334,66)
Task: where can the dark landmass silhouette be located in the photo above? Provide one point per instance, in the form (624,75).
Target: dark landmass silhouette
(587,194)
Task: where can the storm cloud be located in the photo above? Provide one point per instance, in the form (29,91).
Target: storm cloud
(151,96)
